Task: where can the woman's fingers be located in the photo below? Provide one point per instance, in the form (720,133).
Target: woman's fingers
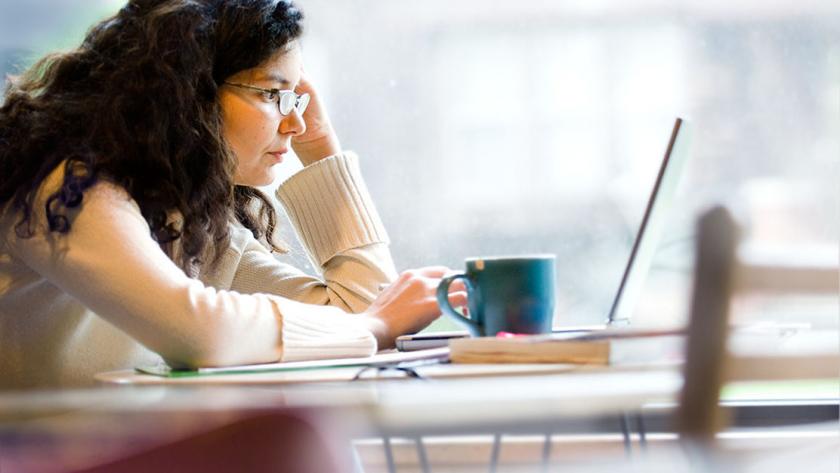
(458,299)
(432,271)
(428,279)
(457,286)
(319,140)
(410,303)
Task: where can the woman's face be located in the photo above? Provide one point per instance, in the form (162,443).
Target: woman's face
(255,130)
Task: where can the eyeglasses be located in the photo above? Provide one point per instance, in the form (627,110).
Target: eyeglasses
(286,100)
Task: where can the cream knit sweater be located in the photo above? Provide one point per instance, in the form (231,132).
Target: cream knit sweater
(104,296)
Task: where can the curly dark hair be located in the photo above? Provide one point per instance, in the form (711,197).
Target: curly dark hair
(136,104)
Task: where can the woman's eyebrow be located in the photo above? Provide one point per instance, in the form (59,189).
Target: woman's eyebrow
(274,77)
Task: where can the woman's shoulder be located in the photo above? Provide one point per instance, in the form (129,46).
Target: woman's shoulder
(103,196)
(102,188)
(101,205)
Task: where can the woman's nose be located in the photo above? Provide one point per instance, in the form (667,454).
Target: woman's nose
(292,124)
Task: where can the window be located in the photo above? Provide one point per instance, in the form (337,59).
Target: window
(500,128)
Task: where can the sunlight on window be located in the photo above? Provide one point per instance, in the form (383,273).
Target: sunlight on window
(501,128)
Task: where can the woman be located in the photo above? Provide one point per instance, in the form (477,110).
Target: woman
(130,227)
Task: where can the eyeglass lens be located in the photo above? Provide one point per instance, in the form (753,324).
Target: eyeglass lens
(289,100)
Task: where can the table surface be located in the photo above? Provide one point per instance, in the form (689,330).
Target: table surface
(464,396)
(755,355)
(450,400)
(467,404)
(448,396)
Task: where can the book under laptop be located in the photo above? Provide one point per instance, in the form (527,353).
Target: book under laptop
(639,263)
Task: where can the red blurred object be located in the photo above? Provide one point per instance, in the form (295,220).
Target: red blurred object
(510,335)
(209,441)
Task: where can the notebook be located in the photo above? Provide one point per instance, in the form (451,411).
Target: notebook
(641,256)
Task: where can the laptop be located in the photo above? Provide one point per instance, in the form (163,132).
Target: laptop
(641,256)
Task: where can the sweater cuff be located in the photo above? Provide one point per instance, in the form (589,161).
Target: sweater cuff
(330,207)
(324,333)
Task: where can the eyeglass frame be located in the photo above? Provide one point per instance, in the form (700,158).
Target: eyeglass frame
(304,97)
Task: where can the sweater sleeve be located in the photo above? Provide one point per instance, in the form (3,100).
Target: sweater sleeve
(330,207)
(332,212)
(110,263)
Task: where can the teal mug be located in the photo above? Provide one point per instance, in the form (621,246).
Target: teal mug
(504,294)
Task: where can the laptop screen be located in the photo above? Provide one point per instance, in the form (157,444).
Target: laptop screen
(650,230)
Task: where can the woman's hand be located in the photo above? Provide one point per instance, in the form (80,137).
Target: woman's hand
(409,304)
(319,140)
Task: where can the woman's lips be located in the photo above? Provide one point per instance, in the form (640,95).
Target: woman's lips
(278,155)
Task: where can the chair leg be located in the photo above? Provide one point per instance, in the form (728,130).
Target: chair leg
(421,455)
(358,466)
(546,452)
(389,455)
(494,454)
(625,432)
(640,426)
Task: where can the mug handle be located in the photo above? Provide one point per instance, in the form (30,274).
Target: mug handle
(446,308)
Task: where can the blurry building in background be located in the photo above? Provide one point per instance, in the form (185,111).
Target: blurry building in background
(489,127)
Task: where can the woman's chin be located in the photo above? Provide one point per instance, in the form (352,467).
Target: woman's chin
(263,182)
(265,178)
